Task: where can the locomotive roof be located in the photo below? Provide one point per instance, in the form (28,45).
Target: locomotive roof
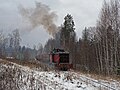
(57,51)
(61,53)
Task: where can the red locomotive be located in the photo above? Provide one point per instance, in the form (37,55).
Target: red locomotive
(60,59)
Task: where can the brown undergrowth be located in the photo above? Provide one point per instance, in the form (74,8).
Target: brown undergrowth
(100,76)
(29,63)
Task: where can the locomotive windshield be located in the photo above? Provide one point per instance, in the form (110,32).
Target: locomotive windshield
(64,58)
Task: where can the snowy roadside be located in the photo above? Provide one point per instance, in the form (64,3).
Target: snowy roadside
(17,77)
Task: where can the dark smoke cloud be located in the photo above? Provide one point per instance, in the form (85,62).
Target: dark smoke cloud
(40,15)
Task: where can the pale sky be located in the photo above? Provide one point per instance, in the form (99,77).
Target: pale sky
(85,14)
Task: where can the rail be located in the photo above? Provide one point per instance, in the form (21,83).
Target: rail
(100,83)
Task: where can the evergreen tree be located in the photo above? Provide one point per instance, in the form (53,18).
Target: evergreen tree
(67,30)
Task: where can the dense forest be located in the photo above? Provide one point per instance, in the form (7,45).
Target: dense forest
(98,51)
(10,47)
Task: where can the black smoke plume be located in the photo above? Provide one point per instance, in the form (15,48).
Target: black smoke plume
(41,15)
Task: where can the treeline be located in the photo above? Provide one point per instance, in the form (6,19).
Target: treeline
(10,47)
(98,51)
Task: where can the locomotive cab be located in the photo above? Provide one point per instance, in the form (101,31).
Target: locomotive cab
(59,56)
(60,59)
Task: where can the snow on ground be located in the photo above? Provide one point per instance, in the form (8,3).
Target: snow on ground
(17,77)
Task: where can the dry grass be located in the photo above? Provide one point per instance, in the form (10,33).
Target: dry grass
(31,64)
(102,77)
(3,61)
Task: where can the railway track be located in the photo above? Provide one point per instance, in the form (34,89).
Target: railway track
(100,83)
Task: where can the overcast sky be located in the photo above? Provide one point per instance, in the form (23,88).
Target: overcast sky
(85,14)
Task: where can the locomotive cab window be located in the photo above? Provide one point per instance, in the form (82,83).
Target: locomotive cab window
(64,58)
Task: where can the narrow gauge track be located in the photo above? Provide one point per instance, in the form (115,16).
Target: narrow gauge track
(100,83)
